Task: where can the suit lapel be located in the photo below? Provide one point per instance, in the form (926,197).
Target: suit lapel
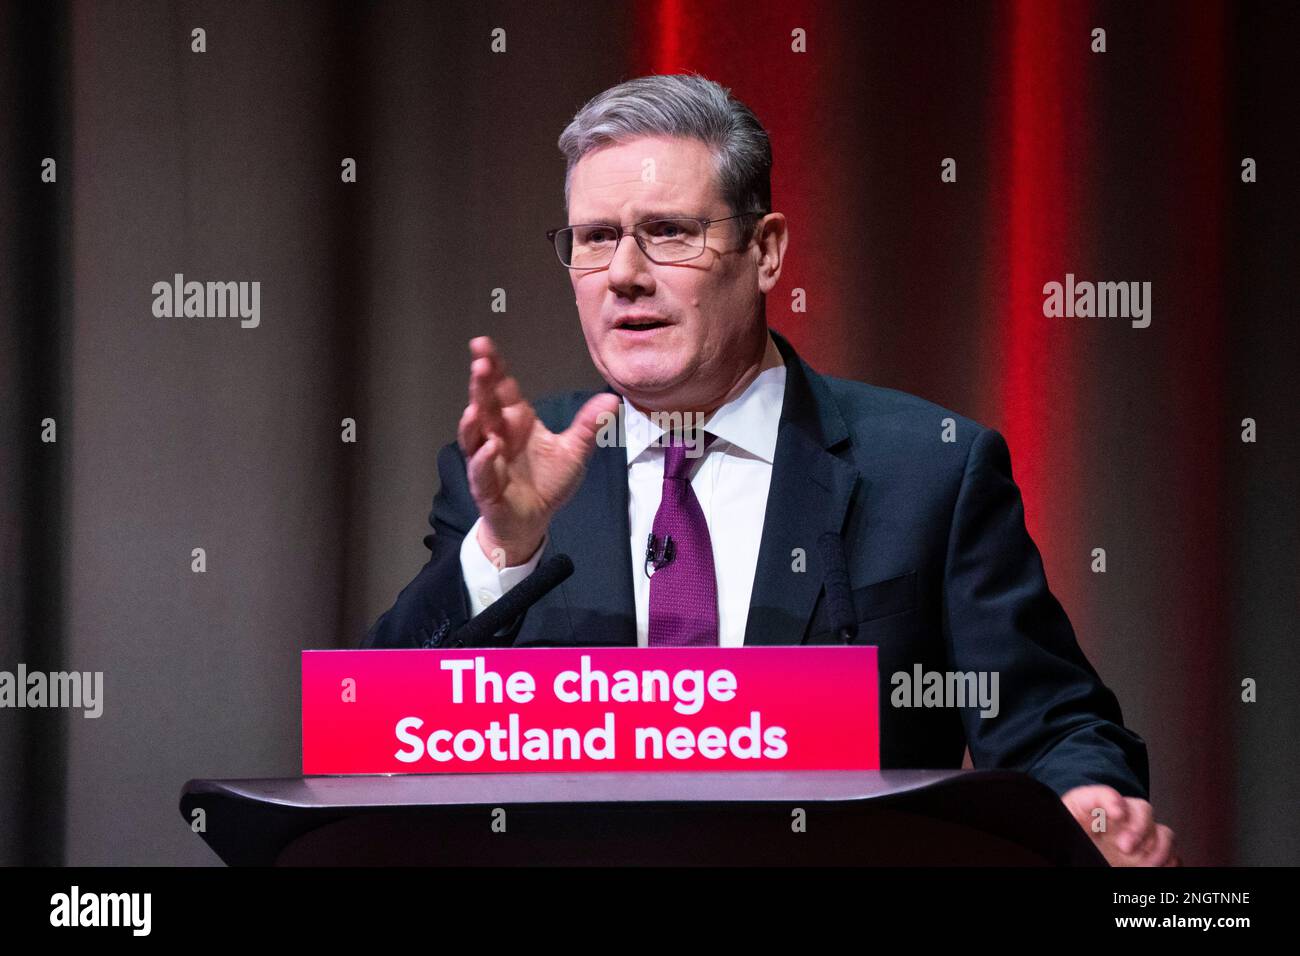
(809,494)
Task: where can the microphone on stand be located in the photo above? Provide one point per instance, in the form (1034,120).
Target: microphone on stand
(480,630)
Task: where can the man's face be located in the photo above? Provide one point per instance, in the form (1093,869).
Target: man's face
(710,306)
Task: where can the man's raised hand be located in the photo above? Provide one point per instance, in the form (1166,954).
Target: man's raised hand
(520,472)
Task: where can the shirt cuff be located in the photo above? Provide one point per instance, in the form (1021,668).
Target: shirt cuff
(483,581)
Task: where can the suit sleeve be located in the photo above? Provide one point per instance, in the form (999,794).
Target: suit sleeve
(1056,720)
(436,601)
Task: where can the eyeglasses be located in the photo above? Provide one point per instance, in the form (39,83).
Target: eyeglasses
(664,241)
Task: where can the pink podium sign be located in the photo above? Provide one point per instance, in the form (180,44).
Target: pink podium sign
(585,708)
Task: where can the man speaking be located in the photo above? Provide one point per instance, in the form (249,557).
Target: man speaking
(700,517)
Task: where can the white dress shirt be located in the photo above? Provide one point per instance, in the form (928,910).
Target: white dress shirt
(730,480)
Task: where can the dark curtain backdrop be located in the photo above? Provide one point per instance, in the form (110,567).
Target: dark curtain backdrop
(182,433)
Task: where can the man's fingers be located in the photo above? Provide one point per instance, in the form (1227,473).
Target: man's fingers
(499,405)
(482,346)
(469,433)
(1138,827)
(1148,842)
(482,385)
(1164,844)
(486,371)
(517,423)
(1084,801)
(507,392)
(474,427)
(596,414)
(1132,836)
(484,476)
(485,355)
(1114,805)
(514,416)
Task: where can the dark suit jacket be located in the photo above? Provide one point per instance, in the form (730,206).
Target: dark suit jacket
(944,574)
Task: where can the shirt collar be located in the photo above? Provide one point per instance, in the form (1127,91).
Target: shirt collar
(749,421)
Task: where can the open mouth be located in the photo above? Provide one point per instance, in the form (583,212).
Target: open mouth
(648,325)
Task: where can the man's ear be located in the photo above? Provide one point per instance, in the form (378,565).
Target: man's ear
(771,237)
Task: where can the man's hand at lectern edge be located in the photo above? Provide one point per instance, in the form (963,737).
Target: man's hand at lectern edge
(1131,836)
(520,472)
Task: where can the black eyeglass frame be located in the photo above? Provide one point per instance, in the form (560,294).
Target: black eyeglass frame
(620,233)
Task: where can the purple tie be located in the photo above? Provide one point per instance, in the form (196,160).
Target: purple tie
(684,591)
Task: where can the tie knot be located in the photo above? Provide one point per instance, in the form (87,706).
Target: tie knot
(679,453)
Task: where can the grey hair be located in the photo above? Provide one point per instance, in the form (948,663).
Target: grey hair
(681,104)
